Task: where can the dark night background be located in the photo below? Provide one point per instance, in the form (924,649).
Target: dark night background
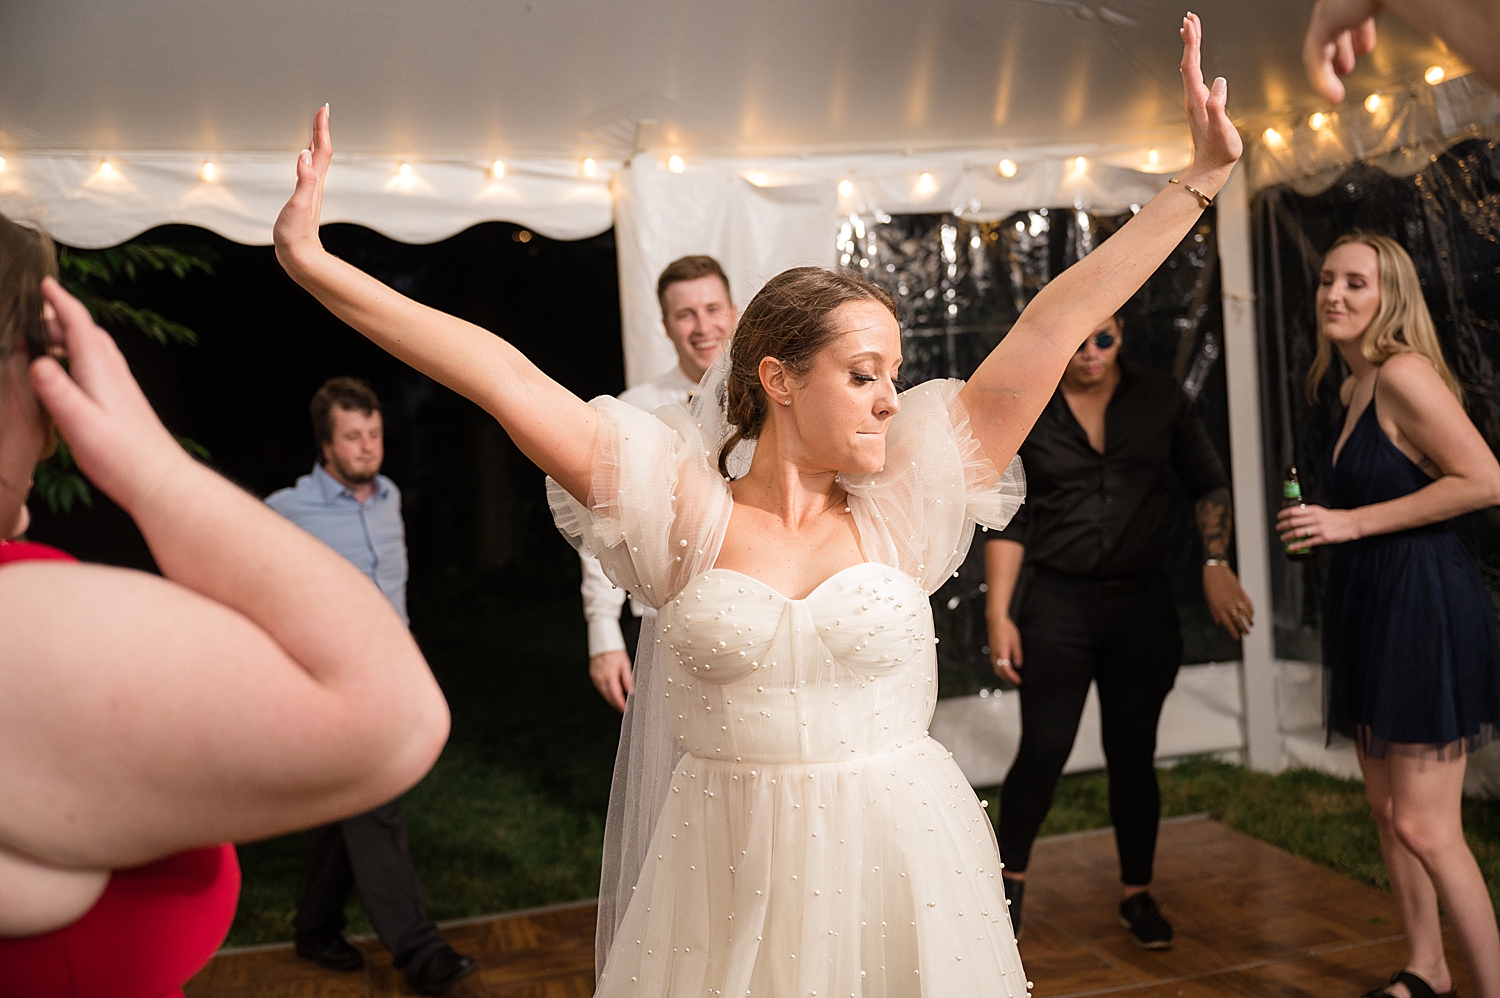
(471,501)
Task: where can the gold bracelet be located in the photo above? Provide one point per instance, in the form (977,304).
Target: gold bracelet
(1204,201)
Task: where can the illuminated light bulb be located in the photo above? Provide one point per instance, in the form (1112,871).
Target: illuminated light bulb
(1080,165)
(1317,121)
(1273,139)
(404,169)
(1007,168)
(1372,103)
(758,178)
(2,164)
(1153,157)
(675,164)
(497,169)
(589,166)
(846,189)
(208,172)
(107,170)
(926,185)
(1434,75)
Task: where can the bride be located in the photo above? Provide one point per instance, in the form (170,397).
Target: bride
(781,824)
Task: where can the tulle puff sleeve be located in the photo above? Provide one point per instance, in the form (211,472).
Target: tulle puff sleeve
(918,513)
(657,508)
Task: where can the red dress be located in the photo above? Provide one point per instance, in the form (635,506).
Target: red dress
(152,929)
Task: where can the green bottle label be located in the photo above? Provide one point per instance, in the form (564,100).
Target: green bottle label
(1291,490)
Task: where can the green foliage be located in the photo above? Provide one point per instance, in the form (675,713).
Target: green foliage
(88,274)
(58,482)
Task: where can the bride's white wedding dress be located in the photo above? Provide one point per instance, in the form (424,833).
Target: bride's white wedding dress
(811,839)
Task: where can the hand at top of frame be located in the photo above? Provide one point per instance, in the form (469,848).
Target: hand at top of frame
(1339,32)
(296,230)
(115,435)
(1216,142)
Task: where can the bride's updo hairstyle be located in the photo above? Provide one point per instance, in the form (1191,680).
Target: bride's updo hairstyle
(26,256)
(790,319)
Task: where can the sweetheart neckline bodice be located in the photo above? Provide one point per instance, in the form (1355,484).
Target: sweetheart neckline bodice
(815,589)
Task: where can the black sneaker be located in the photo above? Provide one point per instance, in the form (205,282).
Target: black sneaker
(1015,893)
(1142,917)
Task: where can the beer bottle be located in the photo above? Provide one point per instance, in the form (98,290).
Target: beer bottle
(1291,495)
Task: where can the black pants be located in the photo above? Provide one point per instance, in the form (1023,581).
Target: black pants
(630,629)
(367,852)
(1124,637)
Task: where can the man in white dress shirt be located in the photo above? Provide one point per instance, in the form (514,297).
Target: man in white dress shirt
(699,316)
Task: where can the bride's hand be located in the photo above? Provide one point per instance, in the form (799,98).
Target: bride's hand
(296,230)
(1216,142)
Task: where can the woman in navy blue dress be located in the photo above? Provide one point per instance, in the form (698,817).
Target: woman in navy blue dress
(1410,640)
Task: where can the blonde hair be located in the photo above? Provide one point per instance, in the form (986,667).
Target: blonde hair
(1402,324)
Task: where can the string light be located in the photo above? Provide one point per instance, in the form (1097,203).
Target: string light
(1372,103)
(1007,168)
(758,178)
(846,189)
(497,169)
(107,170)
(1434,75)
(926,185)
(1153,157)
(1080,166)
(404,170)
(1317,121)
(675,164)
(208,171)
(1274,139)
(589,166)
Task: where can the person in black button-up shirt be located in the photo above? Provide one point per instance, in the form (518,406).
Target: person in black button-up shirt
(1098,607)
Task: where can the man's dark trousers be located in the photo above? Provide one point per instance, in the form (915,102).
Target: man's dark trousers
(368,853)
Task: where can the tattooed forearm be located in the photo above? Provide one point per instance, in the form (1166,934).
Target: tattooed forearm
(1215,523)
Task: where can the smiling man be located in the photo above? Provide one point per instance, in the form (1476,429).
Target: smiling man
(698,315)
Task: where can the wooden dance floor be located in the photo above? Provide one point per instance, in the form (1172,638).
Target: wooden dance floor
(1252,922)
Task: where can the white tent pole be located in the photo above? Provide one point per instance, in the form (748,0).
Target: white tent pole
(1242,368)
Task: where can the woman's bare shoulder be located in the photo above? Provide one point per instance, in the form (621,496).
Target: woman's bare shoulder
(1410,383)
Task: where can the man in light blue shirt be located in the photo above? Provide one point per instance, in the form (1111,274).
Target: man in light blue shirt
(356,513)
(346,503)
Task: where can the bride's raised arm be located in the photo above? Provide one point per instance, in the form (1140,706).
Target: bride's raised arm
(550,424)
(1009,390)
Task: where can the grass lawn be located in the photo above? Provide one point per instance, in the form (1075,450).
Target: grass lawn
(512,815)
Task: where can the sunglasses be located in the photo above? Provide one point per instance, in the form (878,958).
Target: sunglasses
(1101,340)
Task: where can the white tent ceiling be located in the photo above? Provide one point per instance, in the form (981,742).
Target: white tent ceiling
(573,78)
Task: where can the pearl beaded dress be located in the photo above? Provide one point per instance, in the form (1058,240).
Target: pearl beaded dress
(809,838)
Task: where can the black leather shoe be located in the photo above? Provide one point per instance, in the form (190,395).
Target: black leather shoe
(1015,893)
(1142,917)
(440,972)
(330,953)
